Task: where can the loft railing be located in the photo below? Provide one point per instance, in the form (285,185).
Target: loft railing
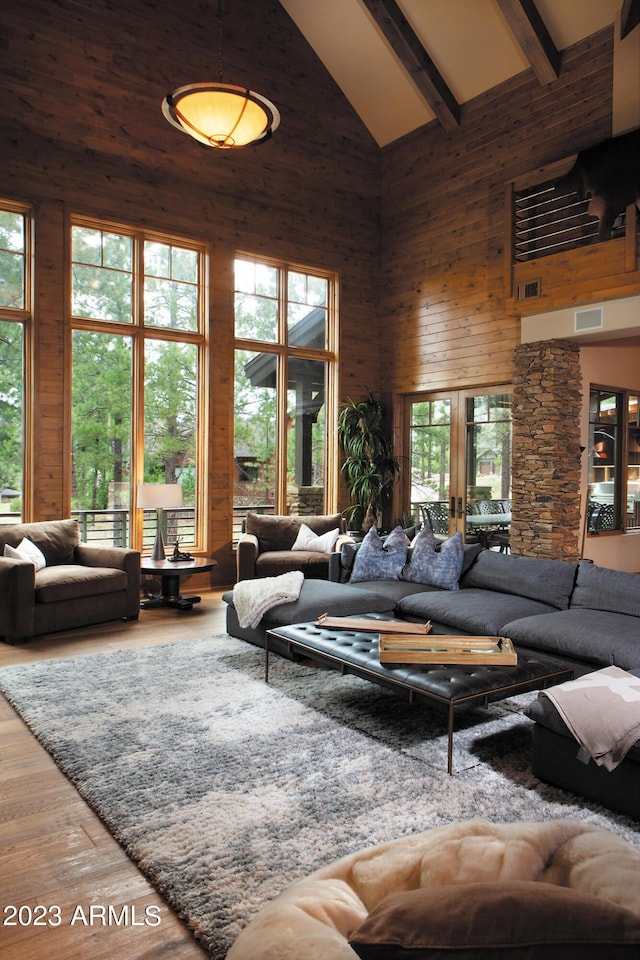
(546,221)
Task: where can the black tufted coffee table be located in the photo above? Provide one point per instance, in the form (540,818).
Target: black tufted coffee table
(451,685)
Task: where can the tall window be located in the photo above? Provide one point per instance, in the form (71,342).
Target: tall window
(285,327)
(15,307)
(138,358)
(614,465)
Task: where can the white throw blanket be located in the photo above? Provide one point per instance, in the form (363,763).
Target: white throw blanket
(252,598)
(602,711)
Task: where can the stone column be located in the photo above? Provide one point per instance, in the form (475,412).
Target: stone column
(546,450)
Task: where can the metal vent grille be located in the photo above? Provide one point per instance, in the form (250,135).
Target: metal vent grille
(527,291)
(546,221)
(591,319)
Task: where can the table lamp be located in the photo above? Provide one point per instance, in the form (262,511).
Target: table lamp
(159,497)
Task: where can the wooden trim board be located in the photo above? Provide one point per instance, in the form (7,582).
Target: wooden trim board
(372,625)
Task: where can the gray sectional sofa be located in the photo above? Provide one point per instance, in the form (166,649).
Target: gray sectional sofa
(577,614)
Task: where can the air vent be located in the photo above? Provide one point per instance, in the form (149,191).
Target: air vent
(591,319)
(527,291)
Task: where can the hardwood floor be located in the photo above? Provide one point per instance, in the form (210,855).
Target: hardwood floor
(54,851)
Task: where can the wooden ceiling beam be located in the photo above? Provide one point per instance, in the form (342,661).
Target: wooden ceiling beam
(629,17)
(416,61)
(530,31)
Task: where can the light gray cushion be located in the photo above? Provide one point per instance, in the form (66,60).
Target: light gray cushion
(549,581)
(600,589)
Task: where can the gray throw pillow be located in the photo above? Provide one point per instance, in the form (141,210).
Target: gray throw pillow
(380,560)
(435,567)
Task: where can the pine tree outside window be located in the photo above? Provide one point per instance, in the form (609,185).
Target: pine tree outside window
(138,355)
(15,328)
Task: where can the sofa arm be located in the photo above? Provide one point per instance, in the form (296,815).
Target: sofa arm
(118,558)
(17,599)
(335,567)
(246,555)
(342,539)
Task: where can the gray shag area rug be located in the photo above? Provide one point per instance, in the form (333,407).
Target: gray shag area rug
(225,790)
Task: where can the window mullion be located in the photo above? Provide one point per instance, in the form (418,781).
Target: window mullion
(282,392)
(137,393)
(283,303)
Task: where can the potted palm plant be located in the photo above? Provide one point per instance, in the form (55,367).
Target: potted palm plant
(370,467)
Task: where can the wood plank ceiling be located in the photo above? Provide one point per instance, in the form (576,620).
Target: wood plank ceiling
(402,63)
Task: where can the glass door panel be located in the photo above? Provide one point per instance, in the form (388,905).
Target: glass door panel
(633,462)
(460,456)
(430,444)
(488,448)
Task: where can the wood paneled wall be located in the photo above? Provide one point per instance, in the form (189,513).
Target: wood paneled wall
(447,316)
(81,131)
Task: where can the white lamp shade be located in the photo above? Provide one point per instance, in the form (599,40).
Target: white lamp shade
(154,495)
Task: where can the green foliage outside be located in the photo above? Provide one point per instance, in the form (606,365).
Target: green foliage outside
(11,406)
(256,378)
(12,262)
(103,368)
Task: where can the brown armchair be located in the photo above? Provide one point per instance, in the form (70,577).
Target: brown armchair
(80,584)
(264,548)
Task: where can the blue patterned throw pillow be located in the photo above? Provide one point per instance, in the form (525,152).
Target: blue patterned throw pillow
(379,559)
(435,568)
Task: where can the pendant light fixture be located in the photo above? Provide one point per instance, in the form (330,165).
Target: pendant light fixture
(219,114)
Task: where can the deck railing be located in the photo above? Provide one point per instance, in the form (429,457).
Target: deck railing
(112,527)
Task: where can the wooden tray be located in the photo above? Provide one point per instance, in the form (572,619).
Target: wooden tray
(395,648)
(373,626)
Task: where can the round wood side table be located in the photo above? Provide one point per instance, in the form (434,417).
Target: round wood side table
(170,573)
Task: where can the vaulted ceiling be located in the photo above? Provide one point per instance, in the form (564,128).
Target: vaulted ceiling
(403,63)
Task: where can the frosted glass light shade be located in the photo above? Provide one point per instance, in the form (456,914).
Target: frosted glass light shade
(221,115)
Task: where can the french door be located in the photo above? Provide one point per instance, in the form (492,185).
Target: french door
(459,446)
